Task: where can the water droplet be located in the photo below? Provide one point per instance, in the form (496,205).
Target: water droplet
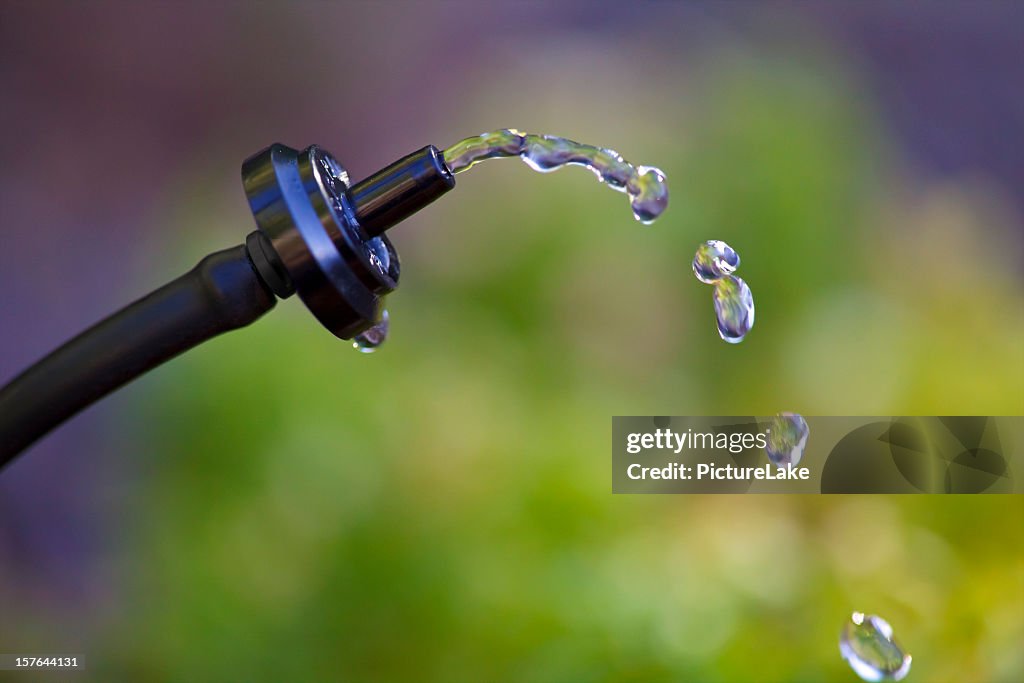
(734,308)
(648,194)
(645,185)
(369,340)
(866,644)
(787,438)
(714,260)
(378,252)
(546,153)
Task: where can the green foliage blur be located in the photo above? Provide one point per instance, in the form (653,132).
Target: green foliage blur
(441,510)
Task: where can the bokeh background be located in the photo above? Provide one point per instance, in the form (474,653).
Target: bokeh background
(275,506)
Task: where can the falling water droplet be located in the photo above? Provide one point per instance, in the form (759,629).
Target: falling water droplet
(648,194)
(866,644)
(714,260)
(369,340)
(734,308)
(645,185)
(787,438)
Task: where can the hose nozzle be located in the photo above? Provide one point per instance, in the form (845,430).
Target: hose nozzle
(324,239)
(395,192)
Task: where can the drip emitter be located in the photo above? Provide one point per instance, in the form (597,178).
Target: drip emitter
(323,239)
(317,236)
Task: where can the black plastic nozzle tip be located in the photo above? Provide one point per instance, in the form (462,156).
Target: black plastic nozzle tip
(395,192)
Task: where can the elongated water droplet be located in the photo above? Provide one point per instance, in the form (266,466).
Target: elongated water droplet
(544,153)
(866,644)
(645,185)
(369,340)
(734,308)
(714,260)
(787,438)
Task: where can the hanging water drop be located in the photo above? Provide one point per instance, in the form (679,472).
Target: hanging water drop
(645,185)
(787,438)
(714,260)
(378,253)
(866,644)
(648,194)
(369,340)
(734,308)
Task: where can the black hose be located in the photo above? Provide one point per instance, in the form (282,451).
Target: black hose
(223,292)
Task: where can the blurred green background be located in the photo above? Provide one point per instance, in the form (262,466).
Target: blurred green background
(275,506)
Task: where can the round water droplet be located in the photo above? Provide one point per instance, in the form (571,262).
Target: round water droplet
(369,340)
(787,438)
(648,194)
(714,260)
(734,308)
(866,644)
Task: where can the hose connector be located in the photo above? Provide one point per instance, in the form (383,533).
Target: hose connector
(324,239)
